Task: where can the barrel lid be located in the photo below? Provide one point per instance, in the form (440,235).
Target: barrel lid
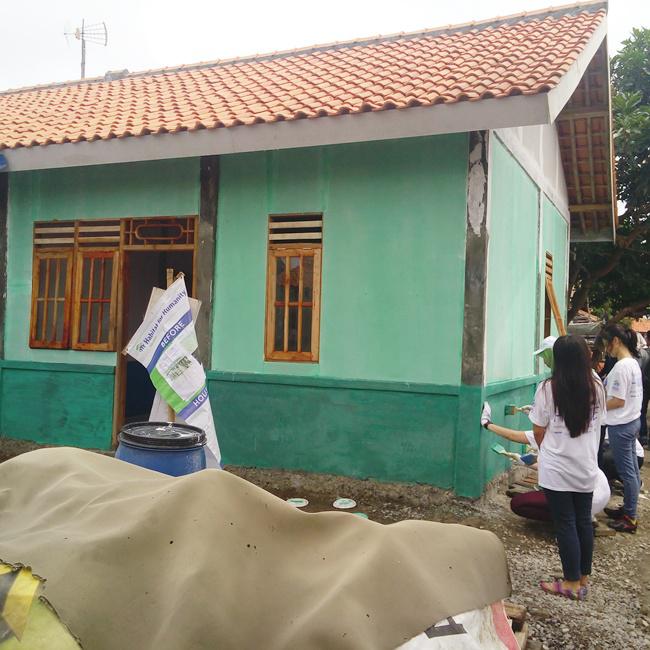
(162,435)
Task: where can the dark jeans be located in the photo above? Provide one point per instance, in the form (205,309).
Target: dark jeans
(601,448)
(622,440)
(609,466)
(575,535)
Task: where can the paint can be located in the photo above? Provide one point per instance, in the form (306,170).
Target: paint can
(167,447)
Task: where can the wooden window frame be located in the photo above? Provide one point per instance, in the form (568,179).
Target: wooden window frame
(38,256)
(292,250)
(81,254)
(76,239)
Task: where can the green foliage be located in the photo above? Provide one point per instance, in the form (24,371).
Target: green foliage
(631,108)
(626,284)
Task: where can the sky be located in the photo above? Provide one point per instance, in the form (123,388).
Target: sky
(145,34)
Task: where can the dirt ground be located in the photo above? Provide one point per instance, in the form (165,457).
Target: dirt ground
(616,614)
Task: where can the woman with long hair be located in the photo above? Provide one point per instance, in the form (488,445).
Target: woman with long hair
(566,419)
(624,386)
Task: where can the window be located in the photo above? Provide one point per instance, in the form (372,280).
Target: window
(76,270)
(94,317)
(293,288)
(51,287)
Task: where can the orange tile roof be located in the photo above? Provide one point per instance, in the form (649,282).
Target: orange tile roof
(524,54)
(641,325)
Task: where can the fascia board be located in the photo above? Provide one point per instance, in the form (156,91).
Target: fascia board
(520,110)
(535,171)
(560,94)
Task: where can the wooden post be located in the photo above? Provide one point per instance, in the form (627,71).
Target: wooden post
(204,254)
(171,416)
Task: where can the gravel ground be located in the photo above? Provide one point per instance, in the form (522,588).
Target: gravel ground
(616,615)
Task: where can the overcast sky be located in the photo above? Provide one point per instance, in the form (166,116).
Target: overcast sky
(144,34)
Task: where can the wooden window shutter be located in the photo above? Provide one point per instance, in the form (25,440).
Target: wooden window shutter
(51,299)
(95,300)
(551,298)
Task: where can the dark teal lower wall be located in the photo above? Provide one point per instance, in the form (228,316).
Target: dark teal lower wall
(382,430)
(53,403)
(390,431)
(475,462)
(500,395)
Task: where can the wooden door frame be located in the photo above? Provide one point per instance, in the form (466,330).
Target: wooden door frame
(203,264)
(119,392)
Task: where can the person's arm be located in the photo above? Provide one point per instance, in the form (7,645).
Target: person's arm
(539,415)
(508,434)
(617,384)
(614,403)
(539,433)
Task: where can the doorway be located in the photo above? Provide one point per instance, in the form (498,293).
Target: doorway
(142,271)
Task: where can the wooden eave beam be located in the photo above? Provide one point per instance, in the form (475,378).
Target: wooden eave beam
(590,207)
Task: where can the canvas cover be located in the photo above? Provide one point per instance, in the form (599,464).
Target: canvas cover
(137,559)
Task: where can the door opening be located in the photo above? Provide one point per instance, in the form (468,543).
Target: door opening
(143,270)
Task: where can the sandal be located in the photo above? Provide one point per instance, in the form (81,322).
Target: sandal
(556,589)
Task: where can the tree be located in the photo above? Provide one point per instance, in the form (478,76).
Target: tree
(614,277)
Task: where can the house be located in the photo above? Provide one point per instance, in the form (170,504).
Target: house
(378,231)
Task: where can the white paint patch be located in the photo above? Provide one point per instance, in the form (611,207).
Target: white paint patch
(476,189)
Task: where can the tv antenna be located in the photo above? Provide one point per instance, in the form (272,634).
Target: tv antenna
(95,33)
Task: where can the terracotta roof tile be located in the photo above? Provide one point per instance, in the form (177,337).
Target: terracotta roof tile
(525,54)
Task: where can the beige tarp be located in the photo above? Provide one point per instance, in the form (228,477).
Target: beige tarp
(135,560)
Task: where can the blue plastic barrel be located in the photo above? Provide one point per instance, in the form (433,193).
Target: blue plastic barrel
(168,447)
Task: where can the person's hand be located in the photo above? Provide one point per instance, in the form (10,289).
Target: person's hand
(486,415)
(526,409)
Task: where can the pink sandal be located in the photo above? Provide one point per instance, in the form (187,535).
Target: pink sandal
(557,589)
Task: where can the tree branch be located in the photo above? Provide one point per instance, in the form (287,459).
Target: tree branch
(623,243)
(631,310)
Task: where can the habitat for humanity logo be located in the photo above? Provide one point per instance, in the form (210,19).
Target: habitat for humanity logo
(154,328)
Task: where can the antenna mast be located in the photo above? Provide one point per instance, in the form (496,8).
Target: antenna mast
(96,33)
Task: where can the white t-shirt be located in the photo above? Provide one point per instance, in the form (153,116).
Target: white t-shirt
(566,464)
(602,492)
(624,381)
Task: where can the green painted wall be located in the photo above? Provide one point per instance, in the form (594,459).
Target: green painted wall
(555,234)
(512,268)
(59,404)
(362,429)
(393,256)
(519,216)
(475,464)
(499,396)
(164,187)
